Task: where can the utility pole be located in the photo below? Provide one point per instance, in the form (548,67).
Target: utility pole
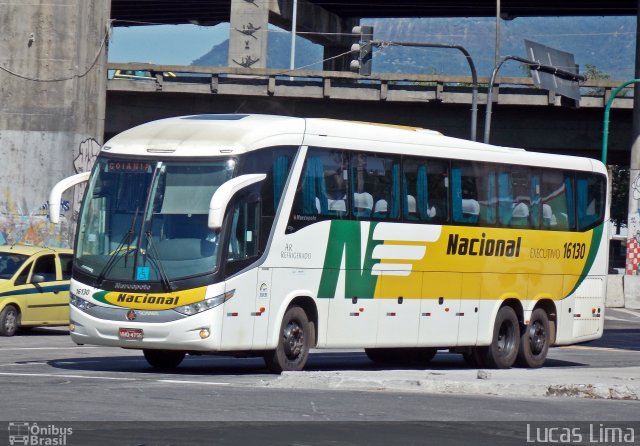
(563,74)
(357,65)
(633,219)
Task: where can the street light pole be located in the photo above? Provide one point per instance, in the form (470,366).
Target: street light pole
(472,67)
(294,21)
(534,66)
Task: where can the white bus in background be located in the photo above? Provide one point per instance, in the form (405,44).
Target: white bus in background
(269,236)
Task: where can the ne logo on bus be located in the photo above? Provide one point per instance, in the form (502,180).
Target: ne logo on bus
(483,246)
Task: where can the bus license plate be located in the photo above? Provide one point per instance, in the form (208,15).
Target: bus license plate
(131,333)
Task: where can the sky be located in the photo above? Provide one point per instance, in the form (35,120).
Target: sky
(182,44)
(164,44)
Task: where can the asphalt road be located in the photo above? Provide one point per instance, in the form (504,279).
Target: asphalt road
(45,378)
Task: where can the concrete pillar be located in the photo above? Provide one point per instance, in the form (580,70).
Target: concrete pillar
(319,26)
(52,108)
(632,278)
(248,33)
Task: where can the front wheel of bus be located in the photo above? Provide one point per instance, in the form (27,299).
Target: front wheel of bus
(294,343)
(534,342)
(163,359)
(503,351)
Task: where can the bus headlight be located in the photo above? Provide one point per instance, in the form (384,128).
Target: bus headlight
(205,305)
(79,303)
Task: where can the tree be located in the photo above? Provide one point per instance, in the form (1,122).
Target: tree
(620,194)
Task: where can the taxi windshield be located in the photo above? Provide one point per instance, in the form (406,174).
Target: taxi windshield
(10,263)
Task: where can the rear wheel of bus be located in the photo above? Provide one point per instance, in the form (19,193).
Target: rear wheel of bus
(503,351)
(294,342)
(535,340)
(163,359)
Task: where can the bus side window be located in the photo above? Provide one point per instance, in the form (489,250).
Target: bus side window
(536,212)
(465,206)
(375,184)
(425,190)
(557,200)
(521,190)
(244,233)
(590,192)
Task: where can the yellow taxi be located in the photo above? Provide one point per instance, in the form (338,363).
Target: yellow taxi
(34,287)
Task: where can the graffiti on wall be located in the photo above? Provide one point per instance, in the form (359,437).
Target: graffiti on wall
(20,223)
(83,162)
(633,225)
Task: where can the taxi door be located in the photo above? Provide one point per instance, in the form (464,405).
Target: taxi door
(46,293)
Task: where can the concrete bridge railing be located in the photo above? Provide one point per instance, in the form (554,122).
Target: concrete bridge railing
(342,85)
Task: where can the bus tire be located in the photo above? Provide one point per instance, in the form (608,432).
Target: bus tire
(294,343)
(163,359)
(503,351)
(535,340)
(9,320)
(473,358)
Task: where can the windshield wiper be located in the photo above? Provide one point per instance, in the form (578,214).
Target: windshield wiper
(116,254)
(155,260)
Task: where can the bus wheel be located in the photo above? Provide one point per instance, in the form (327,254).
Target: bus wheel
(502,352)
(9,320)
(294,343)
(473,358)
(534,341)
(424,355)
(163,359)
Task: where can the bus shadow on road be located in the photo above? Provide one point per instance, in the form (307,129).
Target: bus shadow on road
(191,366)
(207,365)
(41,331)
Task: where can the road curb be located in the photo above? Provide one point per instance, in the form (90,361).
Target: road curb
(438,382)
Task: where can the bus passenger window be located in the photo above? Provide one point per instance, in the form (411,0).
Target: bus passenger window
(464,192)
(590,193)
(557,200)
(521,189)
(375,185)
(425,190)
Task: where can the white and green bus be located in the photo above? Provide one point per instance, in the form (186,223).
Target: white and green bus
(269,236)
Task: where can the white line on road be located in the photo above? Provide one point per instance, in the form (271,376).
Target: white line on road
(175,381)
(594,348)
(109,378)
(54,375)
(46,348)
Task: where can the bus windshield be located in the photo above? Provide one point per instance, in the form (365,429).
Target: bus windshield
(147,220)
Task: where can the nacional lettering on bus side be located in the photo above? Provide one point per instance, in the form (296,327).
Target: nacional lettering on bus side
(483,246)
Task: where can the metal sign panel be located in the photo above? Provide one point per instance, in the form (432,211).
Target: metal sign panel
(556,58)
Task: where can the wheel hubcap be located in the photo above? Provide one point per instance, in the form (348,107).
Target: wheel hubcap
(293,340)
(10,322)
(505,339)
(537,337)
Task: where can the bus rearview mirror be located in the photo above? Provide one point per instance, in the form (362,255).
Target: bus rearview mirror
(56,194)
(225,193)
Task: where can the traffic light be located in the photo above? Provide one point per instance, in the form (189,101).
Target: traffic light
(363,50)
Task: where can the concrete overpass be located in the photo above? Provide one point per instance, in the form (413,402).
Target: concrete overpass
(523,115)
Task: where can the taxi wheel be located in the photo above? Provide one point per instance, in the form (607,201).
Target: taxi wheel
(9,320)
